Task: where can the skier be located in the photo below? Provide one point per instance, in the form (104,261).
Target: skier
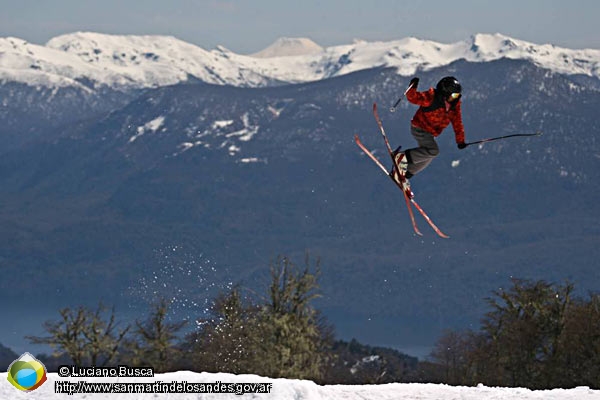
(438,108)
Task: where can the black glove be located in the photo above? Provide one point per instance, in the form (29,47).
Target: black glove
(414,82)
(461,145)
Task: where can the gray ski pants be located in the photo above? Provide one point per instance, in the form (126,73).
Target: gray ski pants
(420,157)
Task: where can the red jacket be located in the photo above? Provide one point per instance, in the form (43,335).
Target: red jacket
(435,113)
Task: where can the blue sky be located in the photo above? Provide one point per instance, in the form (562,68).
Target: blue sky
(247,26)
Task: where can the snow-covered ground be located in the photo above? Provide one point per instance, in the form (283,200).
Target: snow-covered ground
(282,389)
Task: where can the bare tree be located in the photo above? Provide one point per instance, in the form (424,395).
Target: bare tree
(84,335)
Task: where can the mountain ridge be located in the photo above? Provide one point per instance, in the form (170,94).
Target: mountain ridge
(129,61)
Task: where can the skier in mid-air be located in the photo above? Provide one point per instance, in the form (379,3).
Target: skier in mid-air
(438,108)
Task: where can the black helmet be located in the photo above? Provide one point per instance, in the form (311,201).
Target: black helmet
(448,85)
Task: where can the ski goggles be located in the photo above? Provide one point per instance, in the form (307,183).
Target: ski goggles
(454,96)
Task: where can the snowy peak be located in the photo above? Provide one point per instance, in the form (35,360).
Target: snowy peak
(492,44)
(489,47)
(146,61)
(40,66)
(286,47)
(128,51)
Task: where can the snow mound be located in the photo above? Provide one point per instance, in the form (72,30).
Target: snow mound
(282,389)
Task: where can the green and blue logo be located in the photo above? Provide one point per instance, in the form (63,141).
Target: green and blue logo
(27,373)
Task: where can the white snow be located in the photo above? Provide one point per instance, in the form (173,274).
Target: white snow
(285,47)
(284,389)
(233,149)
(221,124)
(563,172)
(247,133)
(150,126)
(152,61)
(248,160)
(223,129)
(155,124)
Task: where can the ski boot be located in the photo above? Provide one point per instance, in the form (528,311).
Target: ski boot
(402,163)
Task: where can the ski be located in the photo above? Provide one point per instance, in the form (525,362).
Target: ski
(401,177)
(409,201)
(382,167)
(408,195)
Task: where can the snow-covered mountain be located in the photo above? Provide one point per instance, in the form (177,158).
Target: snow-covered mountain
(232,386)
(286,47)
(94,60)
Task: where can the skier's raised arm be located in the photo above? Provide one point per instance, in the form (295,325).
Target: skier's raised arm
(422,99)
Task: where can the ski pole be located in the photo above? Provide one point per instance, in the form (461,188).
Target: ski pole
(538,133)
(393,108)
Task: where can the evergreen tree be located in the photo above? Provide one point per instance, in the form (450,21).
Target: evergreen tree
(524,329)
(224,342)
(536,335)
(282,337)
(578,362)
(293,344)
(154,345)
